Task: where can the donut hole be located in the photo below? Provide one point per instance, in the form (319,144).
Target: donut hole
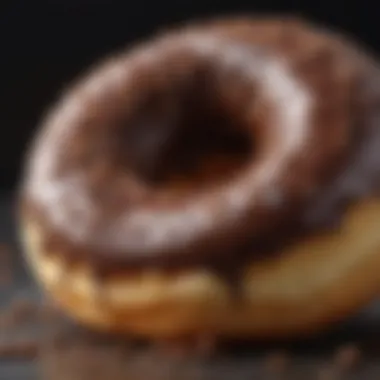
(192,141)
(206,149)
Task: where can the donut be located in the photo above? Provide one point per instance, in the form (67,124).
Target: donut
(219,179)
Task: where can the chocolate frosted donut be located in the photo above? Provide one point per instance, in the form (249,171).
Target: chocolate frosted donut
(239,149)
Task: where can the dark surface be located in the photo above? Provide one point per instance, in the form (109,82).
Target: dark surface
(310,358)
(22,286)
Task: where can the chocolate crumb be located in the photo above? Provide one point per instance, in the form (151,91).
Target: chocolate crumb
(347,357)
(328,373)
(19,313)
(22,310)
(277,362)
(203,346)
(206,345)
(175,348)
(27,349)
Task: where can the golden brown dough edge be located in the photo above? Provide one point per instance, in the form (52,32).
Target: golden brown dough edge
(313,284)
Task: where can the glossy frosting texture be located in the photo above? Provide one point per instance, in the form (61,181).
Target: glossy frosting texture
(304,100)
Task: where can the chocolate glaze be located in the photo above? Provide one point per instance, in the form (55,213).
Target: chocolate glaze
(199,146)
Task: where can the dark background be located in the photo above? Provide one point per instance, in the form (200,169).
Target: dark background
(45,44)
